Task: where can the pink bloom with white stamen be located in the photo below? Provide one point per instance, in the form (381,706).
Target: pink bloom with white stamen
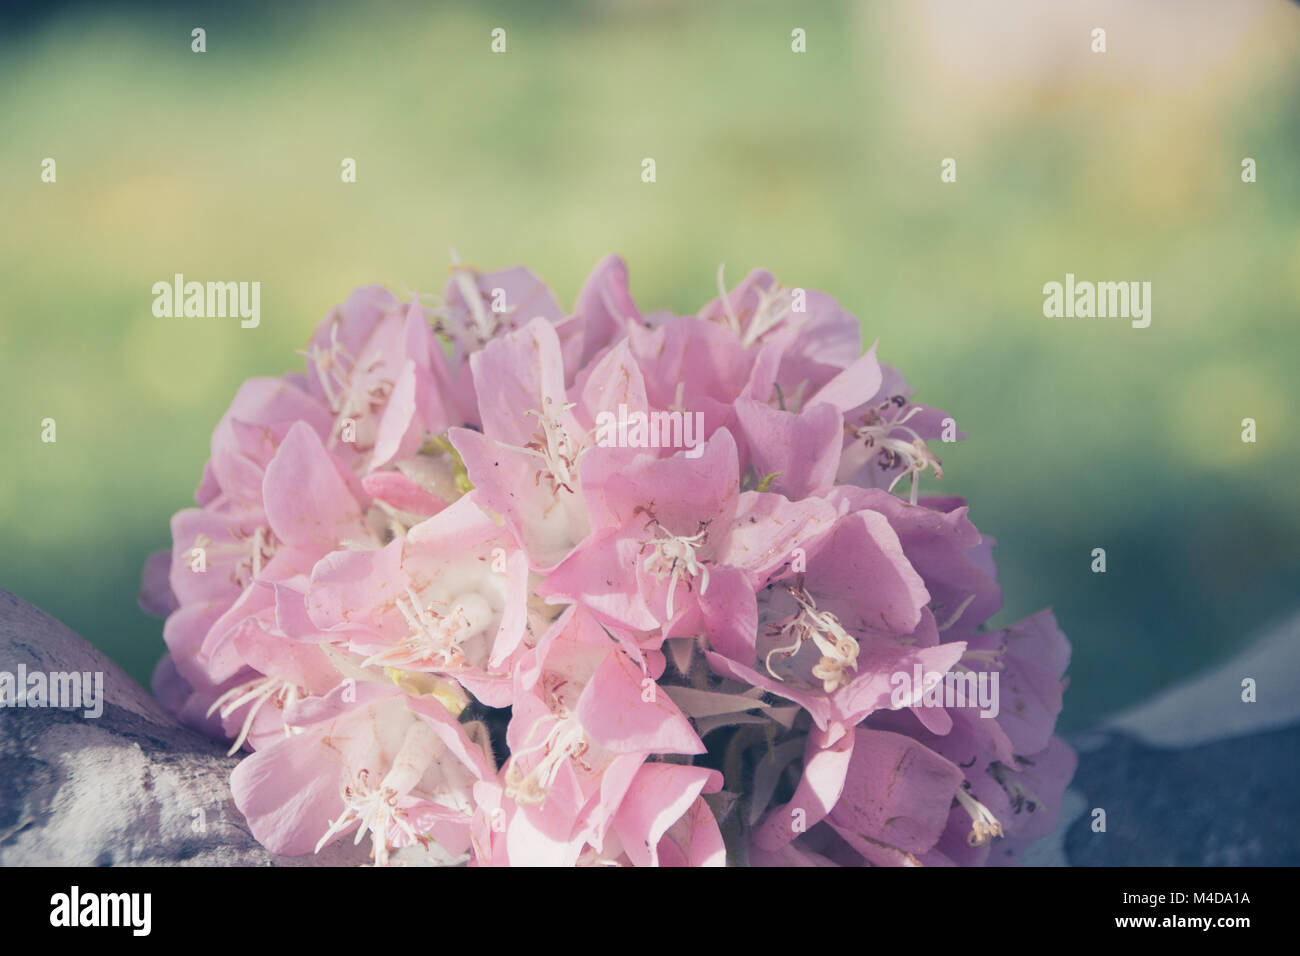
(493,584)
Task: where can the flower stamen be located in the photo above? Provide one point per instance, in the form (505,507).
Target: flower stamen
(257,692)
(673,557)
(839,648)
(984,825)
(436,638)
(914,456)
(554,446)
(563,737)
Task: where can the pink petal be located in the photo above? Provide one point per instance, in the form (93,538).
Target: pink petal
(659,795)
(616,715)
(309,503)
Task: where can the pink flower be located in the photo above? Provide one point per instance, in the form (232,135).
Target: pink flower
(817,339)
(584,720)
(682,547)
(449,598)
(392,767)
(524,462)
(376,365)
(494,584)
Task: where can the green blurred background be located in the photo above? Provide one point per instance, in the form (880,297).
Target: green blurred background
(822,166)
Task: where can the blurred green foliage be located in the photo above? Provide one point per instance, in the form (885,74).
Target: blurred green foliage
(823,167)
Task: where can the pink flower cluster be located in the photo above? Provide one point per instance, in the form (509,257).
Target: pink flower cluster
(497,583)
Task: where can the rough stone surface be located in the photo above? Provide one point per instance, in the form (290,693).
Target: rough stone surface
(1196,776)
(1227,803)
(131,787)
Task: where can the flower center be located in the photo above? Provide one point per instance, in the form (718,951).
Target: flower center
(560,736)
(354,394)
(438,633)
(774,304)
(251,552)
(334,365)
(563,738)
(483,323)
(984,825)
(877,431)
(553,444)
(375,808)
(839,649)
(257,692)
(673,557)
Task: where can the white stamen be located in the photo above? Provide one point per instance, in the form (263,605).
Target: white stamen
(554,446)
(375,808)
(984,825)
(961,609)
(839,648)
(732,320)
(565,738)
(484,324)
(914,455)
(766,314)
(252,551)
(436,639)
(257,692)
(673,557)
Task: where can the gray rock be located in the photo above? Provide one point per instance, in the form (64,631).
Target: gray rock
(1196,776)
(1227,803)
(130,787)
